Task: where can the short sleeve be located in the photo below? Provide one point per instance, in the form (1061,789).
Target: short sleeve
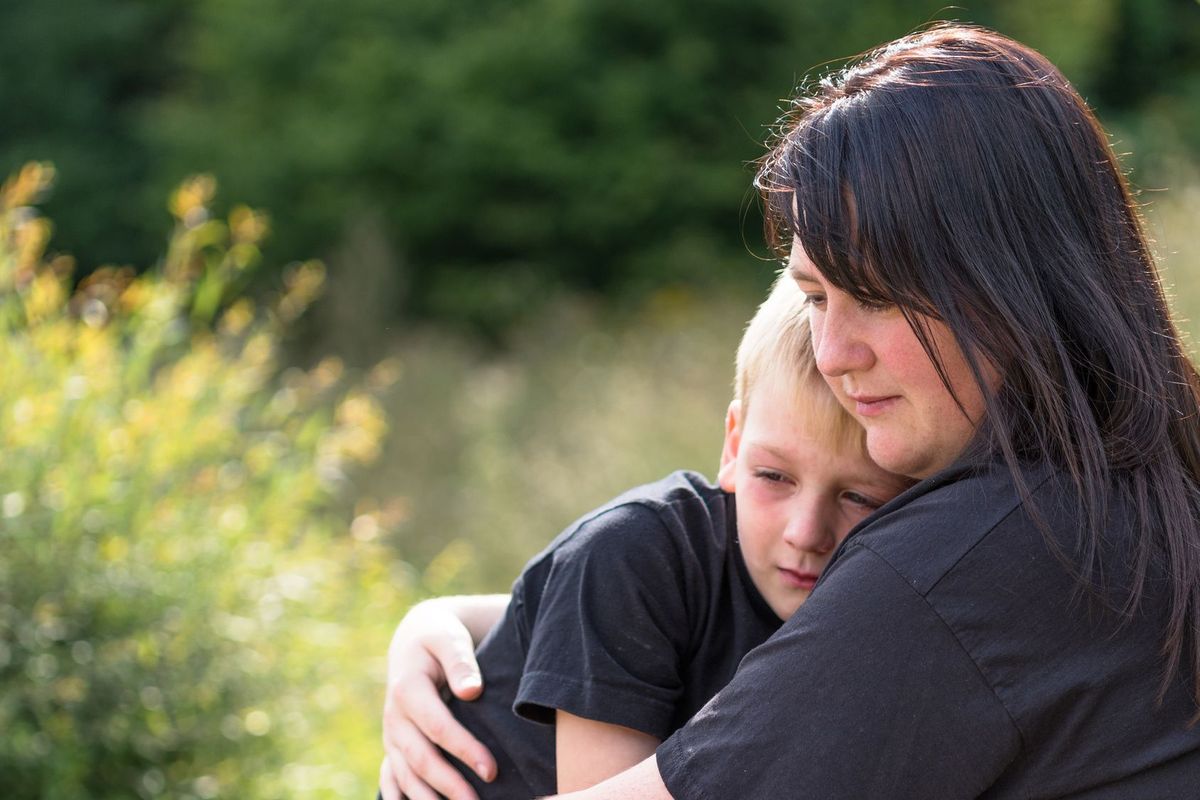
(611,628)
(863,693)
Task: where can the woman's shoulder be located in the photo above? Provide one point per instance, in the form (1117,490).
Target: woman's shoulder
(928,531)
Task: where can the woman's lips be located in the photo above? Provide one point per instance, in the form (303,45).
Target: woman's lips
(869,406)
(798,579)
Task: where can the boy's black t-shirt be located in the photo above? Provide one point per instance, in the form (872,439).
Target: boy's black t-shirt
(636,615)
(948,652)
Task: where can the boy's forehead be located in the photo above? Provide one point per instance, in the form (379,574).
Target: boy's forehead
(792,408)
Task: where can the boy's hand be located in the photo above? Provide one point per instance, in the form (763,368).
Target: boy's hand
(431,647)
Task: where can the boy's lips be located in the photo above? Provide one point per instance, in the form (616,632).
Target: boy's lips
(798,578)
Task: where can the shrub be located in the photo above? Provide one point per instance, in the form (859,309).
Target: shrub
(183,609)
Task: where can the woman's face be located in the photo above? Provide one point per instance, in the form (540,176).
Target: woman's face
(874,363)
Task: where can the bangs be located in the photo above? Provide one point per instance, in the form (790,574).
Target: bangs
(828,185)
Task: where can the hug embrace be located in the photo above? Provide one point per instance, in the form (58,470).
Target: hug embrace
(953,550)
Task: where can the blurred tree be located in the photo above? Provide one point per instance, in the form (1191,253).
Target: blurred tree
(1151,80)
(466,160)
(1154,50)
(74,78)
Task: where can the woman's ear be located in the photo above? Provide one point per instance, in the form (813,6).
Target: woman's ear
(733,440)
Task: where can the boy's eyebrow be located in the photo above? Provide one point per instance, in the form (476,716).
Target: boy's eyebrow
(779,453)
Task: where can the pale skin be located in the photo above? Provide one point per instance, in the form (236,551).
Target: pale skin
(589,752)
(640,782)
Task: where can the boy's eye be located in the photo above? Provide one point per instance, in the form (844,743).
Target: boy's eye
(861,500)
(773,476)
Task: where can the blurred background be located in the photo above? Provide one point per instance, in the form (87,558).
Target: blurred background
(312,309)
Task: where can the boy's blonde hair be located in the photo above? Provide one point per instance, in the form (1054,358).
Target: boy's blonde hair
(777,345)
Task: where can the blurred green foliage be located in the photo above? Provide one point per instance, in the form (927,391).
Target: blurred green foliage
(466,160)
(184,609)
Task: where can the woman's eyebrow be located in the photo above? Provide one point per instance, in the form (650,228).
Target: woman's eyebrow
(799,275)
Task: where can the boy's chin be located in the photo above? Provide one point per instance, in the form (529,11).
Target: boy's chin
(785,610)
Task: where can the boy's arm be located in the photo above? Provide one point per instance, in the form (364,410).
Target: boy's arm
(434,645)
(589,752)
(642,782)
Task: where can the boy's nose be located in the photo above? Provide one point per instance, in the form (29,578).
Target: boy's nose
(810,529)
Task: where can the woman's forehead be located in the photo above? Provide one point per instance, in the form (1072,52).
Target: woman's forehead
(800,267)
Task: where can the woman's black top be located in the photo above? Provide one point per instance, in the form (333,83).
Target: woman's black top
(947,652)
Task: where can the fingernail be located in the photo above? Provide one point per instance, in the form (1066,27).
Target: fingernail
(482,770)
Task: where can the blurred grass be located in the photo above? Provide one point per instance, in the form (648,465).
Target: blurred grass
(496,453)
(1173,219)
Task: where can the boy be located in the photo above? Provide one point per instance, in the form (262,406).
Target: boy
(636,615)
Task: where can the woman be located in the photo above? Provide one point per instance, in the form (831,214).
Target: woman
(1024,622)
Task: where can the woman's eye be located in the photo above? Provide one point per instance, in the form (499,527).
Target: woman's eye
(814,299)
(876,306)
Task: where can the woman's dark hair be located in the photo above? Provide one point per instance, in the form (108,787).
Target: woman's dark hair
(957,174)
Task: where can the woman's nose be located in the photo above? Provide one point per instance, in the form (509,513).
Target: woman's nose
(837,342)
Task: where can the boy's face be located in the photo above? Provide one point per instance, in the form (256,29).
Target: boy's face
(797,495)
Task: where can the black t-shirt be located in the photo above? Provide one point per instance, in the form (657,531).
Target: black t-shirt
(636,615)
(948,653)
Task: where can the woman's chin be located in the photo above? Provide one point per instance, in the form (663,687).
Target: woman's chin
(898,457)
